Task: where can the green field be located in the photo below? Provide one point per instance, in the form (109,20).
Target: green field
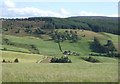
(79,71)
(50,48)
(27,70)
(23,57)
(75,72)
(16,49)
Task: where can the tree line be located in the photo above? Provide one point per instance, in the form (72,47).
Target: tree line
(96,24)
(108,48)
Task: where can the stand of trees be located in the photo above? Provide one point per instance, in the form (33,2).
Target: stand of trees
(67,35)
(60,37)
(108,49)
(96,46)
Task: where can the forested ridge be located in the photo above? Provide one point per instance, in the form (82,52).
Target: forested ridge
(93,23)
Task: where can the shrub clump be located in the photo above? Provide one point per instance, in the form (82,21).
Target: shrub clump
(3,61)
(61,60)
(16,60)
(90,59)
(4,49)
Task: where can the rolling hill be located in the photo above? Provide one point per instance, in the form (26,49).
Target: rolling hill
(27,70)
(32,24)
(23,37)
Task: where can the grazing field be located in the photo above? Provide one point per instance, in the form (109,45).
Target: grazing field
(16,49)
(45,47)
(27,70)
(22,57)
(50,48)
(78,71)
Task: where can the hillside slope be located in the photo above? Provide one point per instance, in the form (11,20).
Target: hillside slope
(35,68)
(32,24)
(50,48)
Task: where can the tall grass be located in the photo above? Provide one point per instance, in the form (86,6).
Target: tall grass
(23,57)
(75,72)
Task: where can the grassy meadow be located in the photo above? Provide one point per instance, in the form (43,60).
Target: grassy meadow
(75,72)
(27,70)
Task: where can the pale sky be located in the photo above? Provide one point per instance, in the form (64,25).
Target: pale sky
(57,8)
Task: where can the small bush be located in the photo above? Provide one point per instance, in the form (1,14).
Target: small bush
(4,48)
(61,60)
(16,60)
(90,59)
(3,61)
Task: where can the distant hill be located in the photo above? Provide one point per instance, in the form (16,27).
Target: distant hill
(93,23)
(94,17)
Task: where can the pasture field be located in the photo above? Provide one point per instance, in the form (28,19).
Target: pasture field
(50,48)
(23,57)
(16,49)
(78,71)
(45,47)
(27,70)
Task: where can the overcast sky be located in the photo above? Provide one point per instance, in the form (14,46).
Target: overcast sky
(63,8)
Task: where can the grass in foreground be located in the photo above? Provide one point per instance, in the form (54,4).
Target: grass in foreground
(77,71)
